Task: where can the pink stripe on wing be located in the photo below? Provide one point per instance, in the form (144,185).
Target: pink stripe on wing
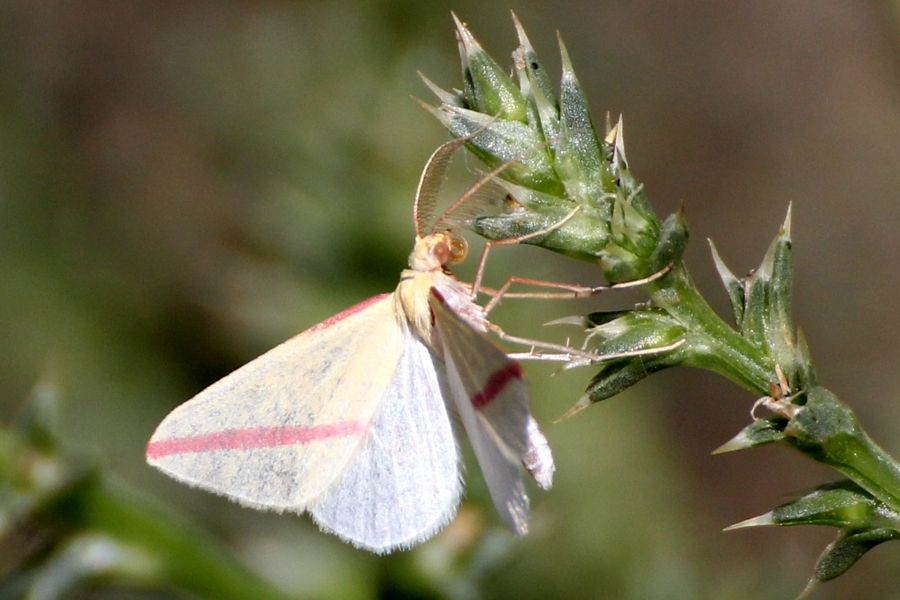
(346,313)
(251,437)
(496,383)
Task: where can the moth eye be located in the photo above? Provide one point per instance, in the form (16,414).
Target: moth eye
(459,249)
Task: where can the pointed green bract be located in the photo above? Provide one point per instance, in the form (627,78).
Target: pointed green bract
(757,433)
(580,162)
(616,377)
(673,239)
(733,285)
(629,332)
(541,88)
(848,548)
(577,240)
(765,317)
(838,504)
(572,191)
(803,360)
(584,235)
(501,142)
(863,523)
(534,83)
(488,88)
(780,338)
(755,325)
(558,166)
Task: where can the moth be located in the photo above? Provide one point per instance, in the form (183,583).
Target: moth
(352,421)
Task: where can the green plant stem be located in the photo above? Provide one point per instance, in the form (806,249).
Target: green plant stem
(729,354)
(873,469)
(183,557)
(827,430)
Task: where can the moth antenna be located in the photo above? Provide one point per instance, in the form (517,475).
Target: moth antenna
(485,194)
(430,183)
(473,195)
(482,192)
(486,190)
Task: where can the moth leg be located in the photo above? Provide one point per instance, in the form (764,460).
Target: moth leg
(482,262)
(572,291)
(547,351)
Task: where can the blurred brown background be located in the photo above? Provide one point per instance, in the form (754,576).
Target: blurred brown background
(185,184)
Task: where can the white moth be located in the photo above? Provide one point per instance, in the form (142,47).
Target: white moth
(348,421)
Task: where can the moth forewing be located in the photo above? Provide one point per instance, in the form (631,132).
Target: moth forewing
(278,431)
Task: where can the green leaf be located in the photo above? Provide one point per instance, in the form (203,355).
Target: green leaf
(614,378)
(581,237)
(863,520)
(501,142)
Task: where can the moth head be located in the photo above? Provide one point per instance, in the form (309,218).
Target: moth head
(435,250)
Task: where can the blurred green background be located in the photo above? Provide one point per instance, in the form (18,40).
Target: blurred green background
(185,184)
